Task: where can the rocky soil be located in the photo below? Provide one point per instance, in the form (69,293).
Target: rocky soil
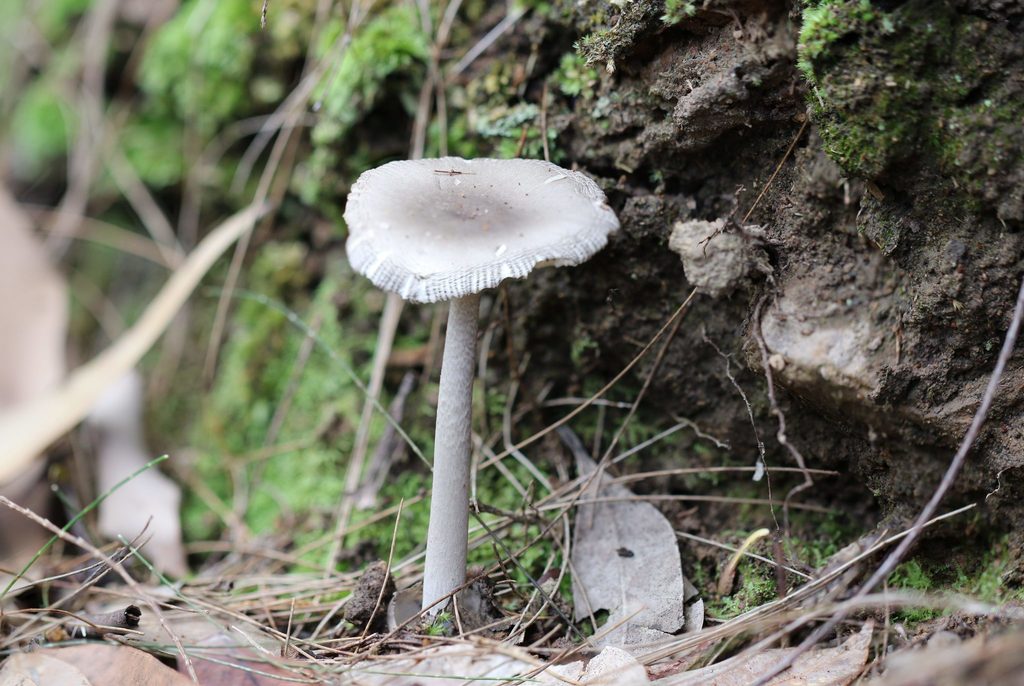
(871,156)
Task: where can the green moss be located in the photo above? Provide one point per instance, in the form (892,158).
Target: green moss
(505,126)
(912,576)
(391,43)
(824,23)
(41,126)
(755,586)
(959,571)
(612,28)
(387,55)
(153,147)
(869,99)
(57,18)
(821,536)
(917,85)
(677,10)
(581,345)
(574,77)
(255,374)
(199,63)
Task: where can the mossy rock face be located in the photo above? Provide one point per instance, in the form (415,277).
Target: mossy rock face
(895,91)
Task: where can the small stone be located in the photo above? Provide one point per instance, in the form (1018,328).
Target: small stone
(717,257)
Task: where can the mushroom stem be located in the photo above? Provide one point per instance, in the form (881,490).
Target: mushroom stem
(447,533)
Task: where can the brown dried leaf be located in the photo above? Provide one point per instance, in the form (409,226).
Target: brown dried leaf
(825,667)
(103,664)
(39,669)
(626,560)
(947,660)
(232,665)
(33,329)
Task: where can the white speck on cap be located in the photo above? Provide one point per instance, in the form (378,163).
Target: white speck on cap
(438,229)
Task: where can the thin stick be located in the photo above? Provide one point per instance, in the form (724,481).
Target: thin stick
(83,162)
(544,122)
(753,556)
(780,435)
(640,395)
(286,118)
(491,36)
(894,558)
(389,319)
(387,570)
(775,173)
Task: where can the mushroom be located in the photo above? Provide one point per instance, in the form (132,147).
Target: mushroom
(445,229)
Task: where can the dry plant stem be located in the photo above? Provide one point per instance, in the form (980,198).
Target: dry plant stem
(386,449)
(643,391)
(894,558)
(771,179)
(295,377)
(745,553)
(105,234)
(494,34)
(29,429)
(387,571)
(389,319)
(83,162)
(145,207)
(780,435)
(445,565)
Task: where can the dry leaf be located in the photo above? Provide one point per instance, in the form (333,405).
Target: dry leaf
(241,644)
(611,667)
(626,560)
(107,665)
(226,663)
(457,665)
(33,311)
(825,667)
(150,501)
(40,669)
(946,660)
(26,430)
(451,665)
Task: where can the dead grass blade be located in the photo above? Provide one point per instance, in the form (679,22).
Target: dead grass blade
(28,429)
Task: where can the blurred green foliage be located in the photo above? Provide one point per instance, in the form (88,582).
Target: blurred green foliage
(199,63)
(42,126)
(256,375)
(390,45)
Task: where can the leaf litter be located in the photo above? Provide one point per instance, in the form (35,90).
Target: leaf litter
(626,560)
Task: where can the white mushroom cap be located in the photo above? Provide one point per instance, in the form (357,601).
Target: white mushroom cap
(439,229)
